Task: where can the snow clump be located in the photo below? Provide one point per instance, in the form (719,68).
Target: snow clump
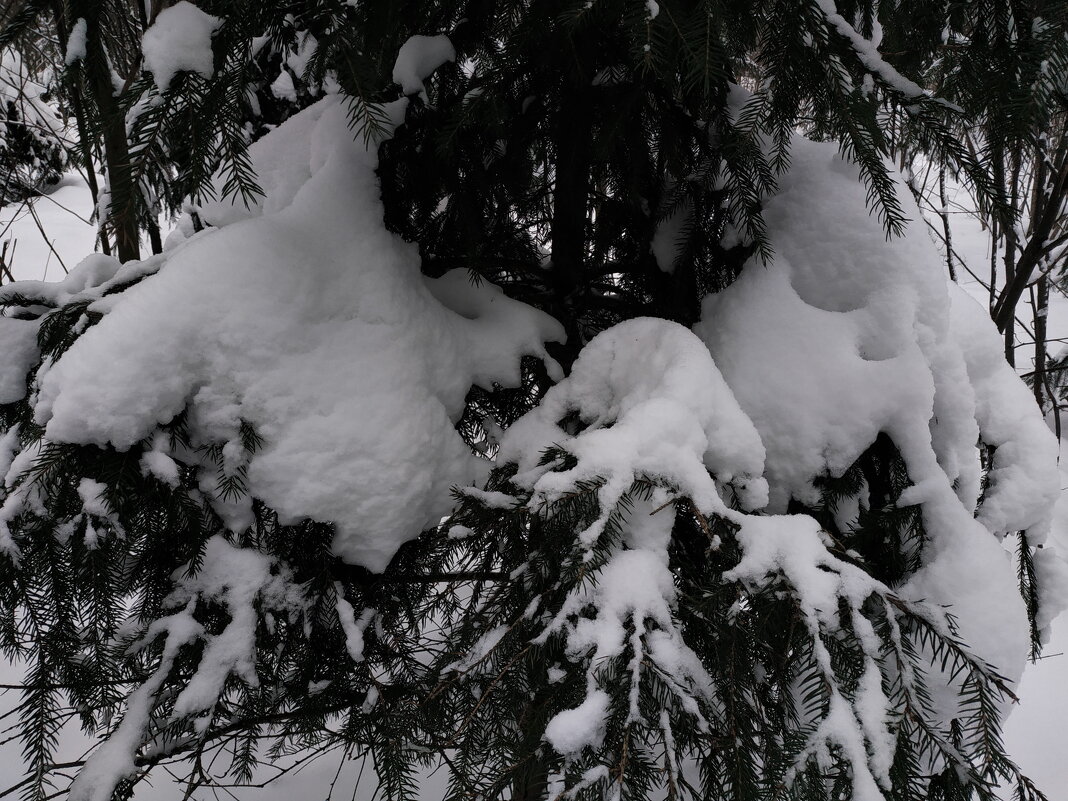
(179,40)
(418,58)
(304,317)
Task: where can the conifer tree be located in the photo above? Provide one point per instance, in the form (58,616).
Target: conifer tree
(682,567)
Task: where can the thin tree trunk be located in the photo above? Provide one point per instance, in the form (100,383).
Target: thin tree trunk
(122,207)
(944,214)
(84,143)
(1041,308)
(1011,246)
(571,190)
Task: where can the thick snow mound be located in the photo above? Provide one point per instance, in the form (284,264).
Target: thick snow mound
(653,404)
(308,319)
(854,336)
(418,58)
(179,40)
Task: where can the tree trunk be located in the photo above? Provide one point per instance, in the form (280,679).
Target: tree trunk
(947,231)
(571,191)
(84,144)
(122,206)
(1041,308)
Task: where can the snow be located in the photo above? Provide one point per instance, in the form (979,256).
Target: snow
(18,343)
(855,337)
(157,462)
(793,547)
(868,53)
(76,42)
(417,60)
(179,40)
(353,626)
(92,495)
(305,317)
(655,405)
(897,353)
(283,88)
(91,276)
(571,731)
(244,581)
(114,758)
(64,236)
(1022,487)
(634,588)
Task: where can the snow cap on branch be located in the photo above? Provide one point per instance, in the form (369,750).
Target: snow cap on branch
(304,317)
(179,40)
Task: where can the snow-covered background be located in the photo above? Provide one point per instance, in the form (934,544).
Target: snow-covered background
(54,233)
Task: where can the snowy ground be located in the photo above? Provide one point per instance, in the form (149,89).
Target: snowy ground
(52,236)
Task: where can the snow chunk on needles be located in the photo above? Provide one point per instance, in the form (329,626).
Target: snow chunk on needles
(310,321)
(179,40)
(418,58)
(650,402)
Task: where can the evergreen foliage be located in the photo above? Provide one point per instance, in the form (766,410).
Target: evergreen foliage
(32,153)
(566,140)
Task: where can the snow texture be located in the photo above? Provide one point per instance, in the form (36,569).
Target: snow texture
(571,731)
(842,337)
(353,626)
(418,58)
(95,274)
(868,53)
(305,317)
(283,88)
(634,588)
(179,40)
(791,545)
(1022,488)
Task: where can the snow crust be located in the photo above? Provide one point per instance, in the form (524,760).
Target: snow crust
(305,317)
(179,40)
